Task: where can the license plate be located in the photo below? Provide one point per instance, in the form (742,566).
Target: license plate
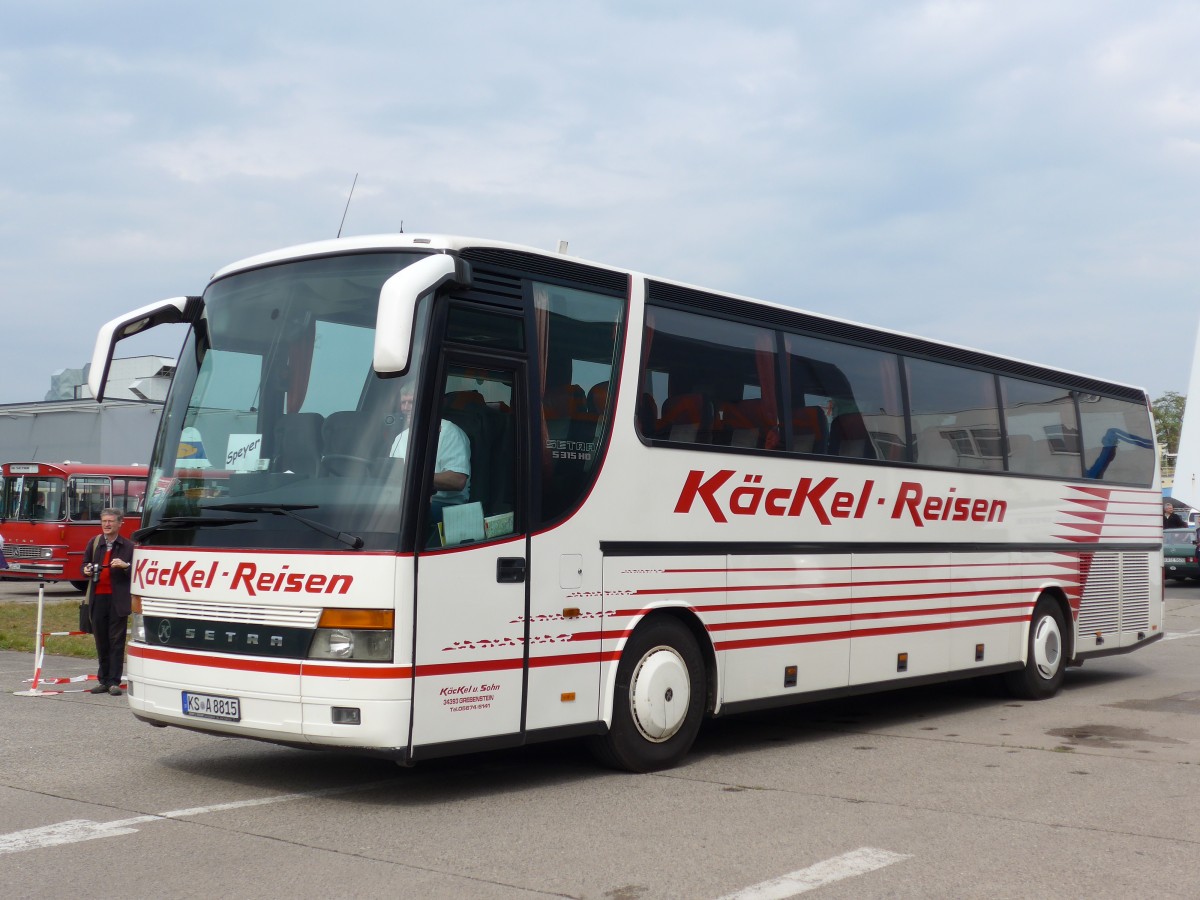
(206,706)
(1177,559)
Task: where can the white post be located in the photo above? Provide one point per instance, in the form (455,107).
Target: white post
(40,652)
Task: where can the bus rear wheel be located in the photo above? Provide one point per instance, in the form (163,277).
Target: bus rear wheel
(80,586)
(1046,660)
(658,701)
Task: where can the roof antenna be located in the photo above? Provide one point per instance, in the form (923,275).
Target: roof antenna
(347,209)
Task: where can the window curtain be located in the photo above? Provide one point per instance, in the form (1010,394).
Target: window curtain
(764,362)
(300,355)
(541,318)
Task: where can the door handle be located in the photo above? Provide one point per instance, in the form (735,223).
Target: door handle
(510,570)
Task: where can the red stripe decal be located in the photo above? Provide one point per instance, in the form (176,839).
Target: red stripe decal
(270,667)
(861,633)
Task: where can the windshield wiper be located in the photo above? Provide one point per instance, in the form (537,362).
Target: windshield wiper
(170,523)
(289,509)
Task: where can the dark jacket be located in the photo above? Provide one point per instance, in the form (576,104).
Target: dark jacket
(122,549)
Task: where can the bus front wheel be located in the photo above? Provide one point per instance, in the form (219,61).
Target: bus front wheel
(1046,661)
(659,699)
(80,586)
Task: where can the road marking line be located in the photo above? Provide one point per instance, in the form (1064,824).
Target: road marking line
(70,832)
(1176,635)
(76,830)
(848,865)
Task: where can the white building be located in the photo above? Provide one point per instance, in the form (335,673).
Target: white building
(68,424)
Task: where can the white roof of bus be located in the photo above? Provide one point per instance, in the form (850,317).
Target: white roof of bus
(418,241)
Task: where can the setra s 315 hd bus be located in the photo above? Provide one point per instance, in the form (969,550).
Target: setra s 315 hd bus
(458,494)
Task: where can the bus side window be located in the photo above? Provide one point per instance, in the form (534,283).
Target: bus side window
(845,400)
(955,416)
(714,380)
(1117,444)
(1043,430)
(578,334)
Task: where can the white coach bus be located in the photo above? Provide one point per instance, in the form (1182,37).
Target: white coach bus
(677,504)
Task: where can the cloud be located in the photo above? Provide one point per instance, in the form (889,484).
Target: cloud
(1014,175)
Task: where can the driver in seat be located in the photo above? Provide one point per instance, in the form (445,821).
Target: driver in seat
(452,469)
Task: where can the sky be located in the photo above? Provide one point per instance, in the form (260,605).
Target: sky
(1017,176)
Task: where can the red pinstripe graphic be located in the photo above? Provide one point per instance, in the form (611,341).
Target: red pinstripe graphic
(742,588)
(1087,512)
(310,670)
(1021,603)
(573,659)
(511,663)
(216,662)
(834,601)
(267,666)
(267,551)
(463,668)
(583,636)
(946,595)
(898,568)
(856,617)
(748,643)
(776,604)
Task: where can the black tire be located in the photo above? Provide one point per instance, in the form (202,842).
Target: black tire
(1046,652)
(652,726)
(80,586)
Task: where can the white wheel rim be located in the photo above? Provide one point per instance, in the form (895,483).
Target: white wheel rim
(1047,647)
(659,694)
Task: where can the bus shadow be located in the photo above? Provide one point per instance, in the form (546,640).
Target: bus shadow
(372,780)
(817,722)
(376,781)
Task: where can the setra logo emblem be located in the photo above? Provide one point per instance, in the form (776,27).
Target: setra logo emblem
(164,631)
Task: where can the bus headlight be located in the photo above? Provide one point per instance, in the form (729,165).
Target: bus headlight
(137,623)
(362,635)
(355,644)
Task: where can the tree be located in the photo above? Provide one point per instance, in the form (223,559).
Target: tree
(1168,419)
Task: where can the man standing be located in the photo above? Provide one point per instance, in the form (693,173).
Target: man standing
(1172,519)
(106,562)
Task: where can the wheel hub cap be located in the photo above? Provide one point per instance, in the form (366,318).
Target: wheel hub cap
(659,694)
(1047,647)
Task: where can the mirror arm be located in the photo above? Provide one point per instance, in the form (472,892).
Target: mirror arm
(171,311)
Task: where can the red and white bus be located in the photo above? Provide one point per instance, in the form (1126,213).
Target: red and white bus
(49,511)
(680,504)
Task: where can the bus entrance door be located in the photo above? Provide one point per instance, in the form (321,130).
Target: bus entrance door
(469,643)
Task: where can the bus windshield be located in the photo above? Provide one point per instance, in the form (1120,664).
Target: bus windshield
(277,432)
(34,498)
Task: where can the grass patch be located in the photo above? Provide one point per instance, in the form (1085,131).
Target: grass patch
(18,624)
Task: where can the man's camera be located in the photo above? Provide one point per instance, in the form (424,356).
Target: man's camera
(95,576)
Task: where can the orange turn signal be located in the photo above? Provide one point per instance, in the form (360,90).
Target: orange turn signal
(358,618)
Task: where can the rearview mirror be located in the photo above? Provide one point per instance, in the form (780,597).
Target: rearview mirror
(398,303)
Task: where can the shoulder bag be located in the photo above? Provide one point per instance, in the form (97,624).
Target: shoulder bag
(85,605)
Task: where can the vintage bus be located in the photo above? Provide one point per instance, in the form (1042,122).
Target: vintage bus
(679,503)
(49,511)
